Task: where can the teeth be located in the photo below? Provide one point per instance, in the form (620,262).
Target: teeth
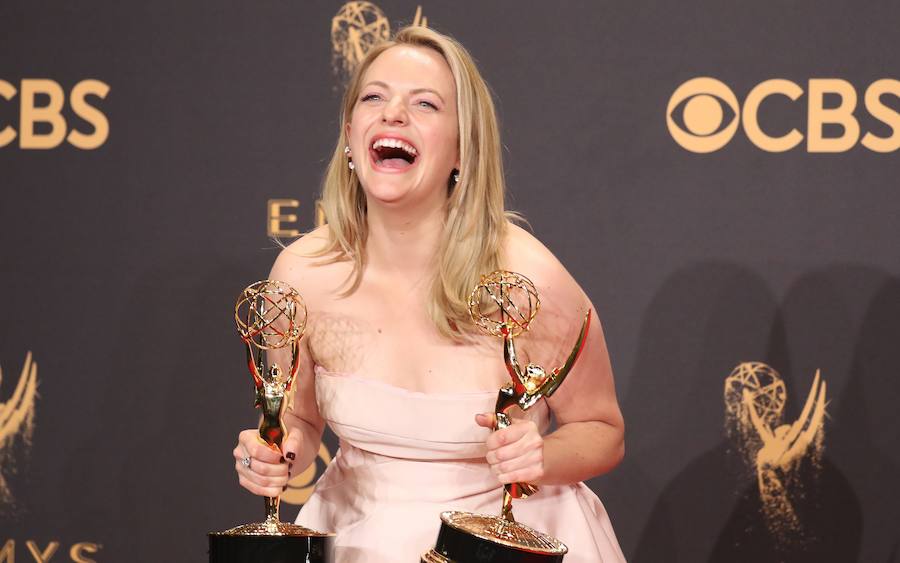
(395,144)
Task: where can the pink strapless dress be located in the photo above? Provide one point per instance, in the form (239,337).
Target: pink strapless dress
(405,457)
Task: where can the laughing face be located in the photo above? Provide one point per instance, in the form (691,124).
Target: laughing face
(403,131)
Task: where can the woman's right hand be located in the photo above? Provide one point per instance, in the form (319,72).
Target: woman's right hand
(261,469)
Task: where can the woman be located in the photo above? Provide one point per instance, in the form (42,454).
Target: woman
(413,199)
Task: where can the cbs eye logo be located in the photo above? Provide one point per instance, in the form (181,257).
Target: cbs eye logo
(702,104)
(703,115)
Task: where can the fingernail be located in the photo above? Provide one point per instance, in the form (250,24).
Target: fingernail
(290,455)
(284,488)
(281,460)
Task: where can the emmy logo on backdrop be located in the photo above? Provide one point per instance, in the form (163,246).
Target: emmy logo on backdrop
(16,419)
(271,317)
(355,29)
(755,397)
(504,304)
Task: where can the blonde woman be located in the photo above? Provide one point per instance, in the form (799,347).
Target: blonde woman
(413,198)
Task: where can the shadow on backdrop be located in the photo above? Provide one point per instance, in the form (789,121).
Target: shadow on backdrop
(815,330)
(705,320)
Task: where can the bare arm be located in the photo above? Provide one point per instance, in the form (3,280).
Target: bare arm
(268,471)
(589,439)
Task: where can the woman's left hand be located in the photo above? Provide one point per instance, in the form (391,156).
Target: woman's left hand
(515,453)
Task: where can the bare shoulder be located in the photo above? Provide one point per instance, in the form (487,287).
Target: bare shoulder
(525,254)
(302,265)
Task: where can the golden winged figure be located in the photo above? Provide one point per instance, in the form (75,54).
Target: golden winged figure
(17,416)
(784,447)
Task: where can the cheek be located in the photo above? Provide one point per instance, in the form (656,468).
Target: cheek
(447,141)
(357,127)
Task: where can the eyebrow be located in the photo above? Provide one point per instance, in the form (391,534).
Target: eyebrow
(415,91)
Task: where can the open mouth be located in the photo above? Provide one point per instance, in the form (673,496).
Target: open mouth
(393,153)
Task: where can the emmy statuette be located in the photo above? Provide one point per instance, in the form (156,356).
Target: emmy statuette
(504,304)
(270,315)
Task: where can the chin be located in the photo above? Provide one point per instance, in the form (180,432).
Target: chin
(386,194)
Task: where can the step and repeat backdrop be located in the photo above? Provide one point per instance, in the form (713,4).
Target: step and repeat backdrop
(722,179)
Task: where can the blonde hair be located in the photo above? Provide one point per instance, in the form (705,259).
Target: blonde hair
(475,221)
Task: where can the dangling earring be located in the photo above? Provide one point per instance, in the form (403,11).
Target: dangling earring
(455,177)
(350,164)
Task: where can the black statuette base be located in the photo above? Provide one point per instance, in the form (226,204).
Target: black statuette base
(225,548)
(457,546)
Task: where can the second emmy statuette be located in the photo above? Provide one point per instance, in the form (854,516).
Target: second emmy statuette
(271,317)
(504,304)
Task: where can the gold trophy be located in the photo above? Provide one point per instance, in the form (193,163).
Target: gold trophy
(270,315)
(504,304)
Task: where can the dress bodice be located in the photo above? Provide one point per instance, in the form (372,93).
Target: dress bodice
(407,456)
(392,421)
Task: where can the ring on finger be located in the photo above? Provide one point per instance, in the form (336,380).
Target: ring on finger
(246,462)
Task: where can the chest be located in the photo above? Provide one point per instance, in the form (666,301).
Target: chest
(389,337)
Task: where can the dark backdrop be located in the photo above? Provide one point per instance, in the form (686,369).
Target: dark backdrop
(120,263)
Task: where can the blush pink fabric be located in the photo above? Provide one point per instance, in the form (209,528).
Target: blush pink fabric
(406,456)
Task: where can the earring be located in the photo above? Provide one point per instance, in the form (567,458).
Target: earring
(350,164)
(456,177)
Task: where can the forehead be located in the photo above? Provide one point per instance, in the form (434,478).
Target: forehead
(407,67)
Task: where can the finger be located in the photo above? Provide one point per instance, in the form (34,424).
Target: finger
(262,479)
(507,435)
(525,449)
(486,420)
(506,453)
(529,475)
(267,469)
(527,443)
(292,445)
(259,450)
(255,446)
(530,460)
(257,489)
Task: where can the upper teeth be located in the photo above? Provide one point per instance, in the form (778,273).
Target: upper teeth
(396,144)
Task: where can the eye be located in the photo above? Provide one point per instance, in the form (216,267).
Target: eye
(370,97)
(426,104)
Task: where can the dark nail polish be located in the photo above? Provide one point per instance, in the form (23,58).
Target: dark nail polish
(284,488)
(281,460)
(290,455)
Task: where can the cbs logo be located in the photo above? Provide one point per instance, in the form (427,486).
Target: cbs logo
(50,114)
(709,115)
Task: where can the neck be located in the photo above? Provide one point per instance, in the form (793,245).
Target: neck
(402,240)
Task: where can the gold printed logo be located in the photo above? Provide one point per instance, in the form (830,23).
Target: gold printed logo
(33,112)
(696,113)
(356,28)
(755,396)
(703,115)
(301,487)
(16,419)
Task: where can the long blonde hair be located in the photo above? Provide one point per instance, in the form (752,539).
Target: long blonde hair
(475,221)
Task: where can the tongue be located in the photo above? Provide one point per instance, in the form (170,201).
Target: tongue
(394,163)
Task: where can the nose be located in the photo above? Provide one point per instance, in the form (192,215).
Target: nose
(394,112)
